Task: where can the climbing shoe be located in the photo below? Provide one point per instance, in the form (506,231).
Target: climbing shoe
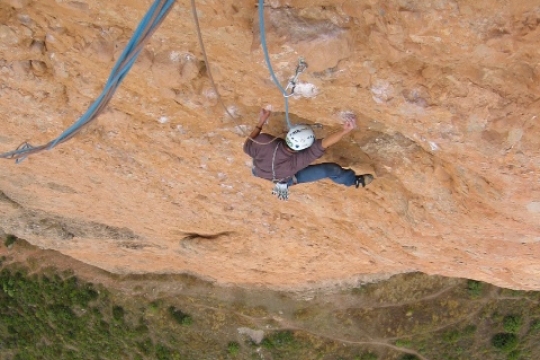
(363,180)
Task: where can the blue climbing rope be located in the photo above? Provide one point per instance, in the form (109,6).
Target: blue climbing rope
(148,25)
(269,64)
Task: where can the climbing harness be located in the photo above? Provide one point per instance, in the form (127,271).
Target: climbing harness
(146,28)
(281,186)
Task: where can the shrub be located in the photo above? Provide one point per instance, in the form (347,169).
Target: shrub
(451,336)
(403,343)
(514,355)
(512,323)
(153,307)
(145,346)
(357,291)
(504,341)
(10,240)
(233,348)
(408,357)
(535,326)
(103,326)
(180,317)
(367,356)
(278,339)
(118,313)
(474,288)
(141,329)
(163,352)
(62,314)
(83,295)
(469,329)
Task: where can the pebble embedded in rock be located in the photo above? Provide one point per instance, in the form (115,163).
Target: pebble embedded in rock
(7,35)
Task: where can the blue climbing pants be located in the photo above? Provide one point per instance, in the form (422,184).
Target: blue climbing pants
(331,171)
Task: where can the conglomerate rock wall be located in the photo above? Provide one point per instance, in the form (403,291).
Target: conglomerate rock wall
(447,98)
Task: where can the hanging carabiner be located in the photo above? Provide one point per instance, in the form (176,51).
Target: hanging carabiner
(300,68)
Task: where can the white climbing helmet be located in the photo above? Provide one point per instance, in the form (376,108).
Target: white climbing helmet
(300,137)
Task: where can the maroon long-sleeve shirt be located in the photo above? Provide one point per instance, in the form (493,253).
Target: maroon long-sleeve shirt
(286,163)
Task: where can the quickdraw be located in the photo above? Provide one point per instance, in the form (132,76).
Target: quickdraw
(300,68)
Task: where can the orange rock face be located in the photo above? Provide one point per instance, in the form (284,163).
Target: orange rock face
(446,95)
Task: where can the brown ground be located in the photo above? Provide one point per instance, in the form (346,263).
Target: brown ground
(432,317)
(446,95)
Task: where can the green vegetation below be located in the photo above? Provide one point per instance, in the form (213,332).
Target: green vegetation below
(53,313)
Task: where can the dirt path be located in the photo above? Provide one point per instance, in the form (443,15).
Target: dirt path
(285,324)
(399,303)
(381,342)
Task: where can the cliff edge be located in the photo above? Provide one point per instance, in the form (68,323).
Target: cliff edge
(447,98)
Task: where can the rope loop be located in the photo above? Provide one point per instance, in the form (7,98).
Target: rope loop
(146,28)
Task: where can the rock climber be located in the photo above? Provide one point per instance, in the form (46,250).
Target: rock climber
(286,162)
